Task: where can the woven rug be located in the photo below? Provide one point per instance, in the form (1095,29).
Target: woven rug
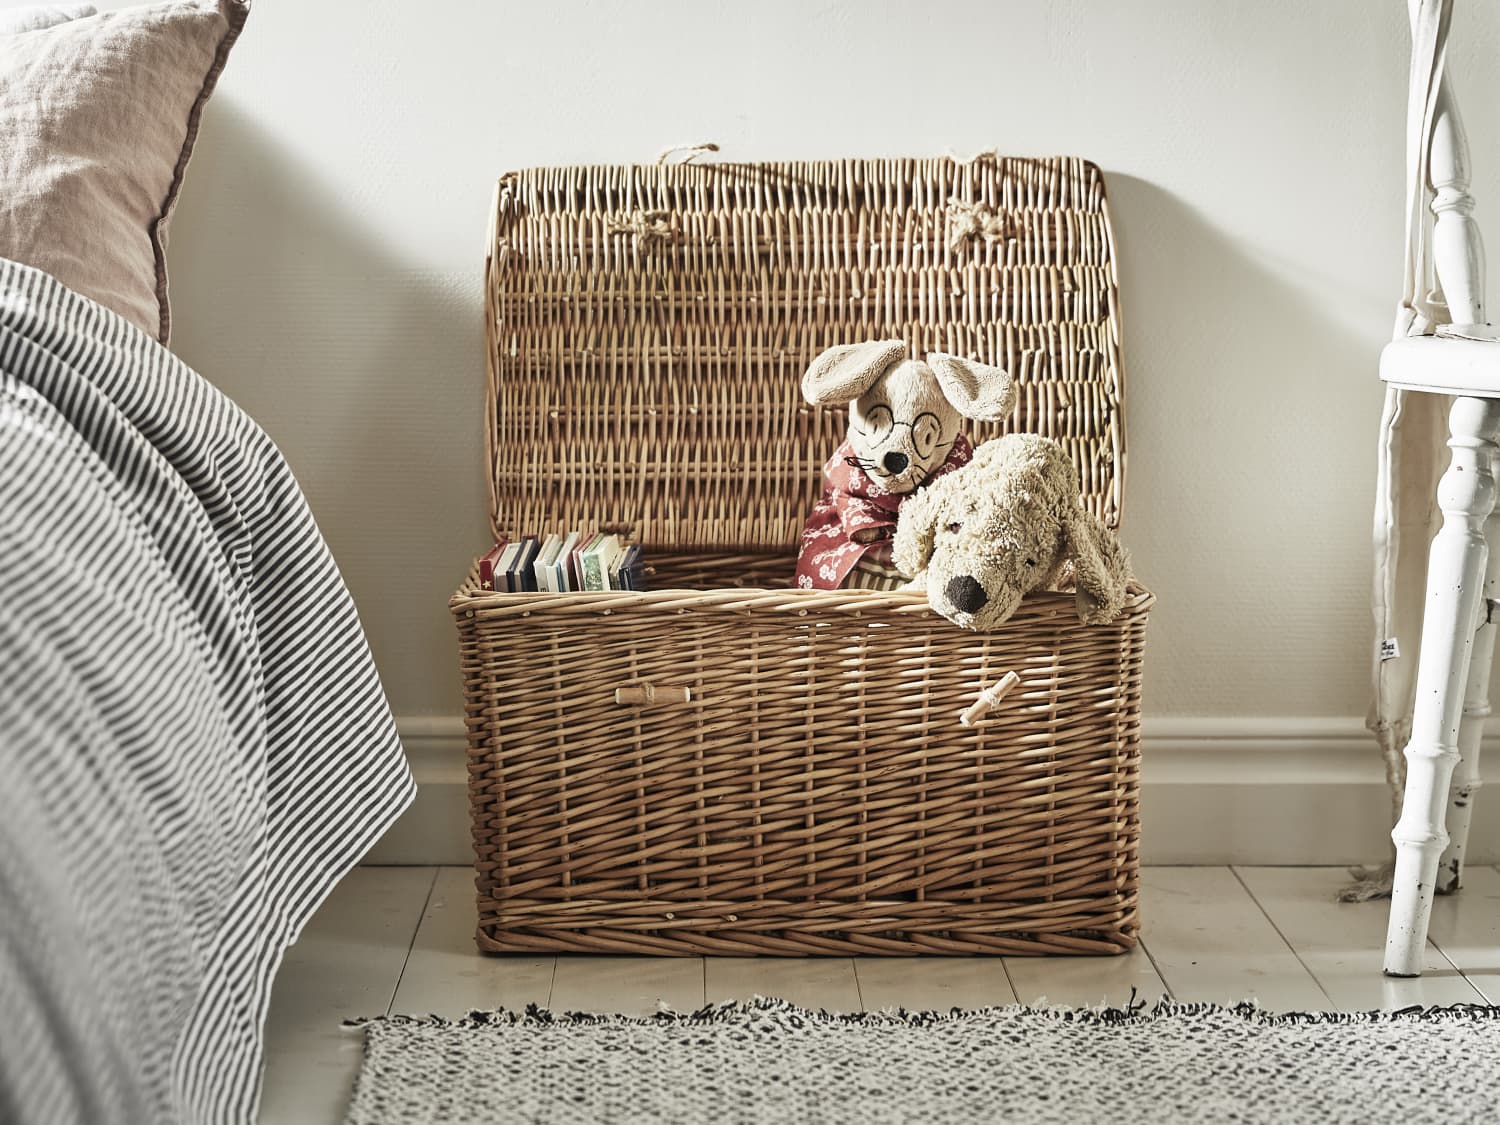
(770,1062)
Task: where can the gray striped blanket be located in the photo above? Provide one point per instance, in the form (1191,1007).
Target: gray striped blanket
(194,744)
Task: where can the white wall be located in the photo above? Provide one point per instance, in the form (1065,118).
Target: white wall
(327,250)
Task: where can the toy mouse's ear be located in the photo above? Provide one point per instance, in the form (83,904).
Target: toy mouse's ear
(976,390)
(843,373)
(916,525)
(1101,567)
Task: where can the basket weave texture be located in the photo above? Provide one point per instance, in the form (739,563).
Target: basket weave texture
(725,764)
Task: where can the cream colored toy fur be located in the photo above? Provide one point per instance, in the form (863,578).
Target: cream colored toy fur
(904,415)
(1009,522)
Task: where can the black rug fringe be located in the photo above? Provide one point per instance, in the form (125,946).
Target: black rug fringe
(1133,1012)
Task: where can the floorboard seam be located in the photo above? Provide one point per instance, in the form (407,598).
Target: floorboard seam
(859,989)
(1266,914)
(1462,971)
(1015,993)
(412,941)
(1145,947)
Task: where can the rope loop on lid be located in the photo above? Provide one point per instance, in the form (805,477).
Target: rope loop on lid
(692,151)
(990,154)
(649,228)
(967,221)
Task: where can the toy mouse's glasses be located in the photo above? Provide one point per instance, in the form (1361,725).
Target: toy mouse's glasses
(880,426)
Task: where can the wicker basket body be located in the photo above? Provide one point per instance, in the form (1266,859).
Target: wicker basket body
(724,764)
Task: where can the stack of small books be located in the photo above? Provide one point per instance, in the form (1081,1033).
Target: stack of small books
(560,564)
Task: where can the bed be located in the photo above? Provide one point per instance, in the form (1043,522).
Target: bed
(194,743)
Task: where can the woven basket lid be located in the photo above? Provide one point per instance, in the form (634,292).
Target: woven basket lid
(648,327)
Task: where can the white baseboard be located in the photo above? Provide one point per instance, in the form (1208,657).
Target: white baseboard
(1282,790)
(1213,790)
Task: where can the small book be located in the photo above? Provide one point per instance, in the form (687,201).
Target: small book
(505,566)
(523,578)
(546,555)
(487,563)
(575,560)
(631,570)
(561,569)
(597,561)
(620,577)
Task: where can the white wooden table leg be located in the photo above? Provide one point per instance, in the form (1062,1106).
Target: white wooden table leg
(1455,591)
(1466,779)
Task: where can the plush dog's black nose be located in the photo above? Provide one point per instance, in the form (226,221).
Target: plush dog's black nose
(895,462)
(967,595)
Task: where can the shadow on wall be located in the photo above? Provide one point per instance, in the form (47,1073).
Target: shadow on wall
(1251,421)
(367,372)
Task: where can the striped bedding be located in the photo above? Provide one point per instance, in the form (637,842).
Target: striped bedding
(194,744)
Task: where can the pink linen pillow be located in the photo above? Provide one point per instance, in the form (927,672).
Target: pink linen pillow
(98,115)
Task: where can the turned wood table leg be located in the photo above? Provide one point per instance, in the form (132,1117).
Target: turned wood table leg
(1466,780)
(1455,594)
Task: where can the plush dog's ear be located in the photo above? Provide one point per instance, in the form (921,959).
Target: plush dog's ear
(1101,567)
(976,390)
(916,527)
(843,373)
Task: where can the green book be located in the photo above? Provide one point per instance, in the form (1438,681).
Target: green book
(597,560)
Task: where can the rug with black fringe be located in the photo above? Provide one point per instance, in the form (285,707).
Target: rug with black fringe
(767,1061)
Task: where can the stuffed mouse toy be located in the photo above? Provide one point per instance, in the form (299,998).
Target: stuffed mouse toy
(905,420)
(1009,522)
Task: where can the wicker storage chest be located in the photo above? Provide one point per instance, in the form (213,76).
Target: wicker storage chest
(725,764)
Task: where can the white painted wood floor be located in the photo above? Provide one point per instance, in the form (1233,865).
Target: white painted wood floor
(400,939)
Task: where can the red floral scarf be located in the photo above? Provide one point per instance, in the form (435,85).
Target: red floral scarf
(855,515)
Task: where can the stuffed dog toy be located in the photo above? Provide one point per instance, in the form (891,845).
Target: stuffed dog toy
(905,419)
(1009,522)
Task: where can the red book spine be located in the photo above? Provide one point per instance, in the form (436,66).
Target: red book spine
(487,565)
